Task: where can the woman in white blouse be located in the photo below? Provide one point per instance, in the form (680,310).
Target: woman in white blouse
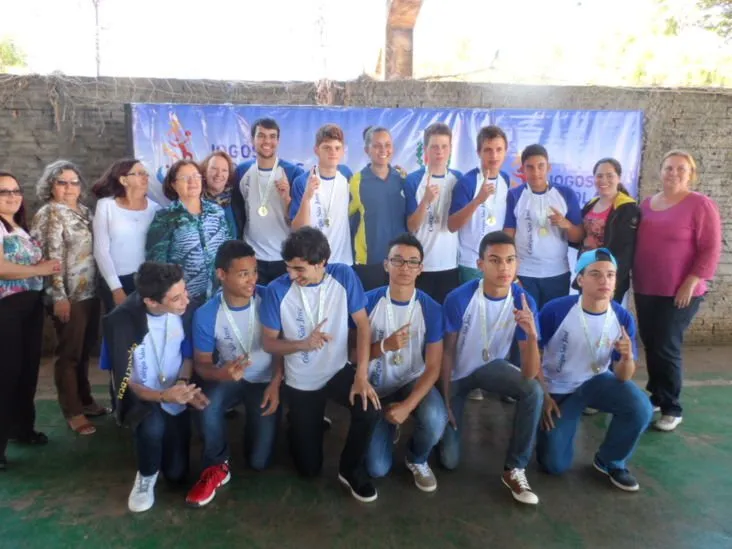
(123,216)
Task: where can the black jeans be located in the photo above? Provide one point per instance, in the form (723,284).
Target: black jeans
(128,285)
(21,334)
(306,426)
(371,276)
(437,284)
(162,444)
(661,326)
(269,270)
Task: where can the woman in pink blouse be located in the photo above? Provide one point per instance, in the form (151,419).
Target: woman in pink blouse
(677,252)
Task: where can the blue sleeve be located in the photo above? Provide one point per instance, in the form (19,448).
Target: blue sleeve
(458,174)
(204,327)
(627,321)
(298,190)
(241,169)
(186,348)
(345,171)
(463,193)
(518,291)
(574,212)
(269,314)
(410,191)
(552,315)
(511,199)
(372,298)
(354,289)
(452,312)
(434,323)
(292,171)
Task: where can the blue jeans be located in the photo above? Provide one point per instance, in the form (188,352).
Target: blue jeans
(162,443)
(430,419)
(260,432)
(544,290)
(503,378)
(631,413)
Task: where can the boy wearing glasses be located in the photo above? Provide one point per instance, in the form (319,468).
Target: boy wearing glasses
(483,318)
(405,360)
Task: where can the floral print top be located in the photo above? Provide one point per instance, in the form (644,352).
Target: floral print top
(18,247)
(191,241)
(66,234)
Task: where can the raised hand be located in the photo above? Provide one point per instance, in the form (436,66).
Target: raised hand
(317,338)
(557,219)
(398,340)
(313,184)
(624,345)
(486,191)
(431,192)
(525,317)
(283,188)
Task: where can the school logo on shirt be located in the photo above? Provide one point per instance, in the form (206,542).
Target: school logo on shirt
(301,333)
(530,231)
(375,377)
(563,348)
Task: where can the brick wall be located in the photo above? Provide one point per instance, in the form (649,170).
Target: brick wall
(45,118)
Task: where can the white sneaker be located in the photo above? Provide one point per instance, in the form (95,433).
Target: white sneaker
(142,496)
(516,481)
(424,478)
(667,423)
(475,394)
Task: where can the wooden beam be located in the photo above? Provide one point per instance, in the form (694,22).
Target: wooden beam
(402,17)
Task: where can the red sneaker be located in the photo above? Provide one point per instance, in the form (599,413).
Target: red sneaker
(211,479)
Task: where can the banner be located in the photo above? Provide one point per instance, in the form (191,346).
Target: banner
(164,133)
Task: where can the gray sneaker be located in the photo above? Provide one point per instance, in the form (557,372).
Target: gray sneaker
(424,478)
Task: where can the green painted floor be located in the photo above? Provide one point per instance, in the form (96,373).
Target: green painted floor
(73,493)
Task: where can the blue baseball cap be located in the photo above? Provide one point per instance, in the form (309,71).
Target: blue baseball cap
(590,257)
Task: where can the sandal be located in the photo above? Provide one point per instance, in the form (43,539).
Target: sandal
(95,410)
(81,426)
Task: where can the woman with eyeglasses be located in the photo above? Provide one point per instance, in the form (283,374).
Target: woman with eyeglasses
(63,226)
(678,249)
(189,231)
(123,215)
(218,172)
(21,318)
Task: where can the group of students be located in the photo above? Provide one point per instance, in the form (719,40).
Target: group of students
(393,295)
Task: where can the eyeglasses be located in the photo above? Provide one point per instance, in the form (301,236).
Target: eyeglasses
(73,183)
(400,262)
(7,193)
(138,174)
(189,178)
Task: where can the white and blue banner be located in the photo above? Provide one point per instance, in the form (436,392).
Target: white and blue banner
(164,133)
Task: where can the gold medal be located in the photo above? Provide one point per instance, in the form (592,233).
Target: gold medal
(491,220)
(543,231)
(596,367)
(327,222)
(162,379)
(486,355)
(397,359)
(263,211)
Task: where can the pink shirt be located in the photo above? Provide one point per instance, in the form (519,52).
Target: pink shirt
(594,224)
(674,243)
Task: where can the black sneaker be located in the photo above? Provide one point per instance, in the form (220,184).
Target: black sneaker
(362,491)
(3,463)
(621,478)
(34,438)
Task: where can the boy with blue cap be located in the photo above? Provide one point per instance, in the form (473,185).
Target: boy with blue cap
(589,349)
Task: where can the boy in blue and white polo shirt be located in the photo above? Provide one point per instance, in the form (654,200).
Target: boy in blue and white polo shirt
(543,218)
(478,204)
(583,336)
(320,197)
(483,319)
(229,358)
(305,319)
(406,357)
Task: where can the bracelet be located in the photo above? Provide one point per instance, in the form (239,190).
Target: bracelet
(381,346)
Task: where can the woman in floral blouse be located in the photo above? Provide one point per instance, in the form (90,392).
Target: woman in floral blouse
(21,319)
(64,228)
(189,231)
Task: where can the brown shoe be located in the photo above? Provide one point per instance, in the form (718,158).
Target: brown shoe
(515,480)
